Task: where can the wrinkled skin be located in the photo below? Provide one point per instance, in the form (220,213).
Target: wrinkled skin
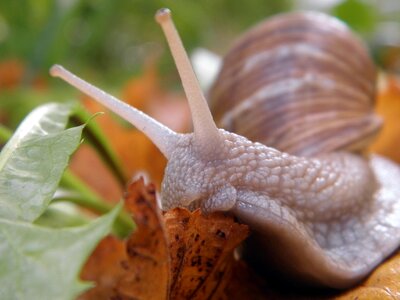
(329,220)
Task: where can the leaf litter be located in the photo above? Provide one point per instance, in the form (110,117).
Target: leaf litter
(176,255)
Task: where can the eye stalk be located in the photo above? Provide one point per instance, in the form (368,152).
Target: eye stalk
(163,137)
(207,137)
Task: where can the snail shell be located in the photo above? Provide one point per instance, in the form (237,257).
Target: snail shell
(301,83)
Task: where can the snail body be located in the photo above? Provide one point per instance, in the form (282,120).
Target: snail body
(327,218)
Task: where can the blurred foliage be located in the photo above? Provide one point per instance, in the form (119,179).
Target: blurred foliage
(361,17)
(109,41)
(109,35)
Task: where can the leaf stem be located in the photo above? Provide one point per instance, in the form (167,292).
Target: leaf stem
(87,198)
(96,137)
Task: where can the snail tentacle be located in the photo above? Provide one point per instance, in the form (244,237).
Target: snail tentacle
(163,137)
(206,133)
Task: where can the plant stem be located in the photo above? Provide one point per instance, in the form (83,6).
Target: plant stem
(94,134)
(89,199)
(57,217)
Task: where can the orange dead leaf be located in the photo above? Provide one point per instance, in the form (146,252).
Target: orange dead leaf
(180,255)
(388,106)
(202,259)
(148,262)
(104,268)
(137,268)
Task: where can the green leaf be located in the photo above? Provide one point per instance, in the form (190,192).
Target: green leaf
(359,15)
(38,262)
(32,162)
(62,214)
(43,263)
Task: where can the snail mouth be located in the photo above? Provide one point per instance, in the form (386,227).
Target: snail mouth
(195,204)
(191,206)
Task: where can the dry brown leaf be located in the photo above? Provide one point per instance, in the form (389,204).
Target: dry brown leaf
(388,106)
(148,262)
(202,259)
(139,267)
(181,255)
(104,268)
(366,294)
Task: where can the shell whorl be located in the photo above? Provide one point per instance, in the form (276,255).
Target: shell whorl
(299,82)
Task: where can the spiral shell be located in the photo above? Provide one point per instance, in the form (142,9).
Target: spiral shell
(299,82)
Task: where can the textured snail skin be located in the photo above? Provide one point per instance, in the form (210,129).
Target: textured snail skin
(303,83)
(328,220)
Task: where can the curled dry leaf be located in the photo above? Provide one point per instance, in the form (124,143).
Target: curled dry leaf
(202,253)
(137,268)
(147,263)
(179,255)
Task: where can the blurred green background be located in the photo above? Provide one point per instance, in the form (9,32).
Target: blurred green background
(108,41)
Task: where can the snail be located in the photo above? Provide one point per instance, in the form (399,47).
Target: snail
(327,214)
